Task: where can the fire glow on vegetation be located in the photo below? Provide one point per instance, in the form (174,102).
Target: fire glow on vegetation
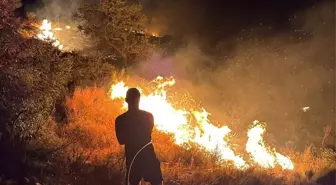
(47,34)
(154,34)
(205,134)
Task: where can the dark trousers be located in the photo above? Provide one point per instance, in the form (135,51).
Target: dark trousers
(145,166)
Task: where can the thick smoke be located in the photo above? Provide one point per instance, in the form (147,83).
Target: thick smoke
(60,14)
(270,78)
(240,69)
(59,10)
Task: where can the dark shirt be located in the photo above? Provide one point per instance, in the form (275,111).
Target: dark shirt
(134,130)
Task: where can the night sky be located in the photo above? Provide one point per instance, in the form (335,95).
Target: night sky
(221,18)
(216,17)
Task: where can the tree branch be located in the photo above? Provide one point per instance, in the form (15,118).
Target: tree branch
(122,54)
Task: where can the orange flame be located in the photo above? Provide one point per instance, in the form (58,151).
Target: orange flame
(205,134)
(262,155)
(47,34)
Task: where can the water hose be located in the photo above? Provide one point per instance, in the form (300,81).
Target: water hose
(129,170)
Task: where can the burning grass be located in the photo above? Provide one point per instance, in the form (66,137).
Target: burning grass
(91,128)
(91,117)
(192,125)
(85,150)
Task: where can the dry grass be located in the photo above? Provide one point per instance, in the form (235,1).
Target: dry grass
(91,127)
(91,122)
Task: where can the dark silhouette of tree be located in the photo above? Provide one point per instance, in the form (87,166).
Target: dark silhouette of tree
(117,26)
(7,13)
(34,77)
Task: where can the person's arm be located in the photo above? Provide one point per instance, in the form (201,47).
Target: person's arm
(119,131)
(151,122)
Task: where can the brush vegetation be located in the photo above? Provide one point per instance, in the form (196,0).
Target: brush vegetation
(57,120)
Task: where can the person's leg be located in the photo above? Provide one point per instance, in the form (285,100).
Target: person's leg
(134,183)
(153,173)
(135,175)
(156,183)
(134,179)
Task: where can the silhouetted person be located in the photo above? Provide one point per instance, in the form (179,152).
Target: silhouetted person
(134,130)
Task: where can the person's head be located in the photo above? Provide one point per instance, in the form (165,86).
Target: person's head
(133,98)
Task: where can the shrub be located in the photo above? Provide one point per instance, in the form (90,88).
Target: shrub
(117,26)
(91,121)
(34,77)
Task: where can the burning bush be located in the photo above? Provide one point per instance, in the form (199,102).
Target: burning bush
(35,77)
(91,119)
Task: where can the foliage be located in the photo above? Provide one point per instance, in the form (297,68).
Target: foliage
(34,78)
(91,119)
(119,26)
(7,9)
(40,75)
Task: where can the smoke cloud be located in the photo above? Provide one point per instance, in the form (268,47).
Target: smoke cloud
(242,67)
(59,10)
(60,14)
(265,74)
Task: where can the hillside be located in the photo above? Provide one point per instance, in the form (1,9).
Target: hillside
(58,109)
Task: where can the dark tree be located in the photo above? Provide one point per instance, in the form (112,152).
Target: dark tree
(118,27)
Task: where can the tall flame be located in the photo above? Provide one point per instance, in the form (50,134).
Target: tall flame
(213,139)
(262,155)
(204,133)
